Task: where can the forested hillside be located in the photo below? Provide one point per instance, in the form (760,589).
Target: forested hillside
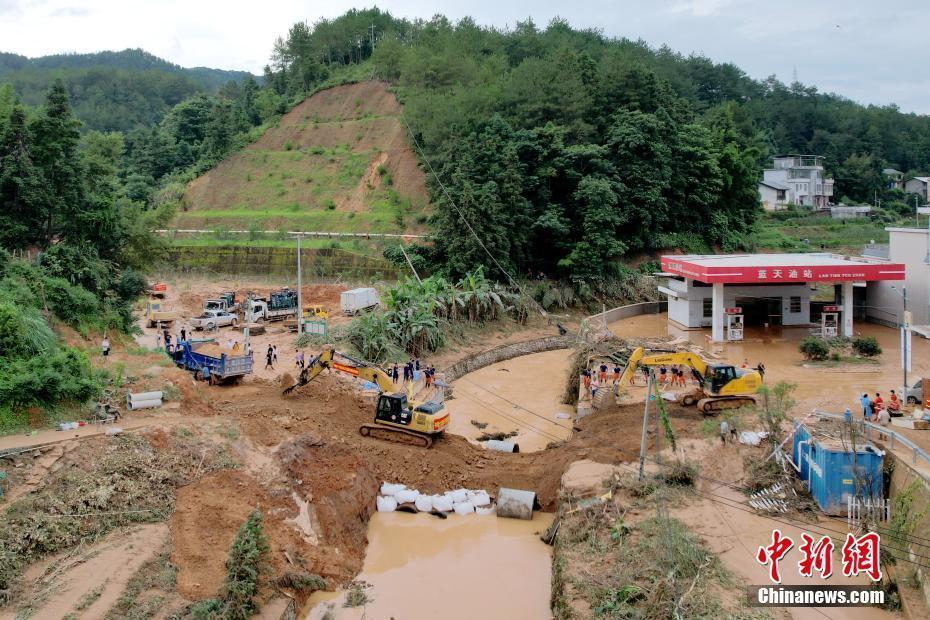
(113,90)
(568,150)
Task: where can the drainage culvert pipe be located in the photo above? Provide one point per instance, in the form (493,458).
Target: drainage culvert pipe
(516,504)
(502,446)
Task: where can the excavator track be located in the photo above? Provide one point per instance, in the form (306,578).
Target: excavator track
(395,435)
(709,406)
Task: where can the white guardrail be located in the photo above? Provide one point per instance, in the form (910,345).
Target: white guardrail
(893,439)
(289,233)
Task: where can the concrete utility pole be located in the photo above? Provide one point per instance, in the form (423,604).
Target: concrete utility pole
(642,442)
(300,306)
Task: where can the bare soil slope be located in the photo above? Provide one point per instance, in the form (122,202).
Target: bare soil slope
(340,161)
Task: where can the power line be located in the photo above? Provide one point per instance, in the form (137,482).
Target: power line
(530,411)
(748,490)
(813,527)
(462,215)
(521,423)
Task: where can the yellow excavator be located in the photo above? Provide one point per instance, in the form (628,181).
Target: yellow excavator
(722,386)
(396,416)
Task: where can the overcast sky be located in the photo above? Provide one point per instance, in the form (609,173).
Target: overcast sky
(872,52)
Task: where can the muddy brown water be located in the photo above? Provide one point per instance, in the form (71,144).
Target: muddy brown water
(473,566)
(521,394)
(830,388)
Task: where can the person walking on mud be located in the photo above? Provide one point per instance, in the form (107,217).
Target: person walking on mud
(269,355)
(724,431)
(394,373)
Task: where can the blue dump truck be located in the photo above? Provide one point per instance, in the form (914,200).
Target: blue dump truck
(211,362)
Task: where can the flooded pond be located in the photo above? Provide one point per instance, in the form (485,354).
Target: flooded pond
(421,567)
(521,394)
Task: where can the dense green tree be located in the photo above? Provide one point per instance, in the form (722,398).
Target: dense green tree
(22,194)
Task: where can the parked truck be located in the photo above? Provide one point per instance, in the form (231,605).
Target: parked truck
(358,300)
(210,362)
(213,319)
(278,306)
(158,315)
(225,302)
(312,312)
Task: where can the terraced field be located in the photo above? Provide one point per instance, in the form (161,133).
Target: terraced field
(338,162)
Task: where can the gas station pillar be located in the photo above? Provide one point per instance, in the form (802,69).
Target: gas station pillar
(848,309)
(717,312)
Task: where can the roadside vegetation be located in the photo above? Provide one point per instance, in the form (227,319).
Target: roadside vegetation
(417,317)
(840,349)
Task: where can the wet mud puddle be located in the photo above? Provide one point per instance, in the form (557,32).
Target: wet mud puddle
(421,567)
(522,394)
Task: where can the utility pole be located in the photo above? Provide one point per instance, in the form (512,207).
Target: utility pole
(372,39)
(905,340)
(300,305)
(642,442)
(412,268)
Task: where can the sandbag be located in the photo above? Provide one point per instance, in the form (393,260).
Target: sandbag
(389,490)
(442,503)
(458,495)
(479,498)
(464,508)
(484,510)
(386,504)
(406,496)
(424,503)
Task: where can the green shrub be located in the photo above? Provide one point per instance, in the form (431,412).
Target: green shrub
(245,566)
(867,346)
(72,304)
(330,204)
(814,348)
(23,333)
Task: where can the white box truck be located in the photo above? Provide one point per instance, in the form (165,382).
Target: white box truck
(358,300)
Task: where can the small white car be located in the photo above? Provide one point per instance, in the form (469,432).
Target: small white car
(212,319)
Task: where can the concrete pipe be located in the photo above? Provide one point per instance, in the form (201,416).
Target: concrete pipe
(144,396)
(516,504)
(150,403)
(502,446)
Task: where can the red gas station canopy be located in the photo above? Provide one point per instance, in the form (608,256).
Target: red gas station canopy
(778,268)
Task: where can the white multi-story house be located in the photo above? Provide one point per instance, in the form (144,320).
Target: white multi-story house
(795,180)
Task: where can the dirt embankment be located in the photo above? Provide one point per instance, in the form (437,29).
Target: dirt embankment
(318,490)
(363,118)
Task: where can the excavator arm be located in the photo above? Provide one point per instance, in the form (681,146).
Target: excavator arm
(356,368)
(639,358)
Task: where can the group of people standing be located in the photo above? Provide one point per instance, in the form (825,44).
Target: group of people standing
(876,409)
(410,369)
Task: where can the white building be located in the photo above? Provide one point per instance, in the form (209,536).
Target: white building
(764,289)
(885,305)
(803,181)
(917,185)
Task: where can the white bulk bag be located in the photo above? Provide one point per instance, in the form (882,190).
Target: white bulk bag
(406,496)
(386,504)
(464,508)
(484,510)
(458,495)
(442,503)
(424,503)
(389,490)
(479,498)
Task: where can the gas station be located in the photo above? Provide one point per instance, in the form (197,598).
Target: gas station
(729,292)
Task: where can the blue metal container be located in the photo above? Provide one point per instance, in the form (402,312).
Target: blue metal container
(831,469)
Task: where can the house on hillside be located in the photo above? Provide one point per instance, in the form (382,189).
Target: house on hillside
(774,195)
(802,176)
(894,179)
(917,185)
